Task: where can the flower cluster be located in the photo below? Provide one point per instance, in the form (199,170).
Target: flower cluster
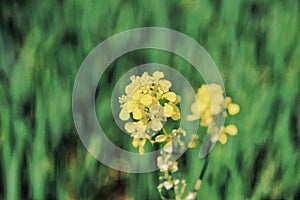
(149,103)
(171,186)
(207,108)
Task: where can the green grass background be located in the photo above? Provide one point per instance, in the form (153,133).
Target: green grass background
(255,44)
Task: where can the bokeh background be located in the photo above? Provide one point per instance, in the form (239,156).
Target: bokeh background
(255,44)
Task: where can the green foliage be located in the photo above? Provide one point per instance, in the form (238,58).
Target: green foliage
(42,44)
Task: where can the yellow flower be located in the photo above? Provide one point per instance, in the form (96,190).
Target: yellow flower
(173,144)
(138,132)
(205,107)
(137,129)
(143,94)
(170,96)
(136,82)
(230,130)
(139,142)
(233,108)
(149,102)
(165,164)
(176,113)
(157,77)
(157,117)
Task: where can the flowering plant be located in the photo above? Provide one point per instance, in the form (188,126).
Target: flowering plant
(149,103)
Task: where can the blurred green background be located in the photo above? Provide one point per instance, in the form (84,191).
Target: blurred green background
(255,44)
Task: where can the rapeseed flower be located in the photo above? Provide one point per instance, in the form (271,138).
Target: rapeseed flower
(206,108)
(149,103)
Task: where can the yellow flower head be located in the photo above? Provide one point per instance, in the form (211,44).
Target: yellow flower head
(205,108)
(165,164)
(149,103)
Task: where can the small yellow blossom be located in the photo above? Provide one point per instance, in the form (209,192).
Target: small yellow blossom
(172,146)
(233,108)
(137,129)
(157,116)
(171,96)
(139,142)
(165,164)
(230,130)
(205,108)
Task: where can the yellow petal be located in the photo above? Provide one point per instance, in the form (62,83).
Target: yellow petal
(233,108)
(171,96)
(158,75)
(176,113)
(223,138)
(135,142)
(168,147)
(176,116)
(166,84)
(192,117)
(131,106)
(216,109)
(168,110)
(215,88)
(146,100)
(129,127)
(231,129)
(204,106)
(195,108)
(217,99)
(228,100)
(124,114)
(140,123)
(136,95)
(141,150)
(156,125)
(137,114)
(160,138)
